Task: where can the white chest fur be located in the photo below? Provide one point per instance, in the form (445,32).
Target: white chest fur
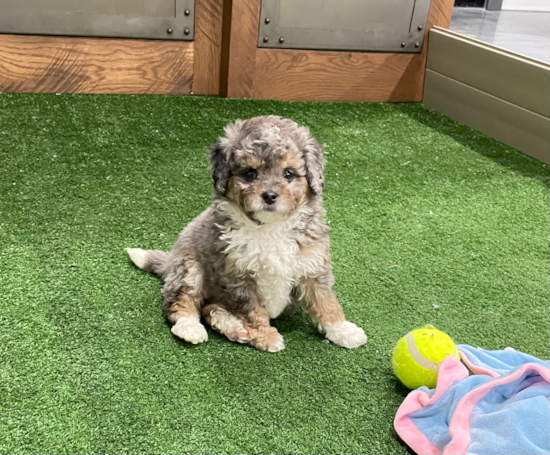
(270,253)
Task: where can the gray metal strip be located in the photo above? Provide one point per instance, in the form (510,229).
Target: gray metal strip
(494,5)
(418,21)
(307,24)
(41,20)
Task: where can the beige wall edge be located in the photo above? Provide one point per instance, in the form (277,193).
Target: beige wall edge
(506,75)
(513,125)
(499,93)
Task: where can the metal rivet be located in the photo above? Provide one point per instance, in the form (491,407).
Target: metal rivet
(186,31)
(267,20)
(187,12)
(417,44)
(420,27)
(281,40)
(266,39)
(403,44)
(169,31)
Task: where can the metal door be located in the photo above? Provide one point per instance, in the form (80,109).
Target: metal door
(360,25)
(156,19)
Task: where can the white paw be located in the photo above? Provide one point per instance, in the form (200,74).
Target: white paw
(229,325)
(237,333)
(190,330)
(277,344)
(269,342)
(346,334)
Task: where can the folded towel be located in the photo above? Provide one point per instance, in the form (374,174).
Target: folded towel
(503,408)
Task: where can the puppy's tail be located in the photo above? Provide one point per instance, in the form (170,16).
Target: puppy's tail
(154,261)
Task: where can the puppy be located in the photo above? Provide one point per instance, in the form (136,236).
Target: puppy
(261,249)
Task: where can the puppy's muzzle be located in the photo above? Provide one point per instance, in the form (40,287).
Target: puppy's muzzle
(269,197)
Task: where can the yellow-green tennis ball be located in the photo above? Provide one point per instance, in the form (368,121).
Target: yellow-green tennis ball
(417,356)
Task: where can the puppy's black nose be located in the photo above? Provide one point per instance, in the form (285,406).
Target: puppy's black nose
(269,197)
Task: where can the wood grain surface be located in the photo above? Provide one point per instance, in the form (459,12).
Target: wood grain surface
(48,64)
(243,46)
(310,75)
(92,65)
(226,44)
(337,76)
(208,39)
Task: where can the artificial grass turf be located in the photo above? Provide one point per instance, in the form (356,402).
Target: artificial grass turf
(431,223)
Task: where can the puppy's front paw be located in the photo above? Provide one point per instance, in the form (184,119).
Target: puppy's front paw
(276,344)
(190,330)
(346,334)
(269,342)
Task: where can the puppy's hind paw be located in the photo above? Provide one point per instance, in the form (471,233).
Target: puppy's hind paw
(229,325)
(237,333)
(270,342)
(276,345)
(346,334)
(190,330)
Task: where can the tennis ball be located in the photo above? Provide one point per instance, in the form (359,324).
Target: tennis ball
(416,357)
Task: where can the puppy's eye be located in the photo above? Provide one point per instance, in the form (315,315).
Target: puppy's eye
(288,174)
(250,174)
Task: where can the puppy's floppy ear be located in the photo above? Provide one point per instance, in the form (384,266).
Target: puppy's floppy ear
(220,155)
(219,166)
(314,157)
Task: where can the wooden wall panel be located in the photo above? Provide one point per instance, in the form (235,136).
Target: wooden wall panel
(48,64)
(322,75)
(208,39)
(337,76)
(91,65)
(243,45)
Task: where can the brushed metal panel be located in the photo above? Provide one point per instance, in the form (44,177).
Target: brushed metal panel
(513,125)
(138,8)
(360,25)
(159,19)
(501,73)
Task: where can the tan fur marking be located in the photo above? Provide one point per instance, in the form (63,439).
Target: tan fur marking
(313,249)
(261,335)
(320,302)
(293,161)
(234,191)
(249,161)
(185,305)
(295,193)
(207,312)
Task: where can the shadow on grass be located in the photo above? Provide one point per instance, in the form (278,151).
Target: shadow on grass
(484,145)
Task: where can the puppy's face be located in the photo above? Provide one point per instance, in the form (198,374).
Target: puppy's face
(268,167)
(268,185)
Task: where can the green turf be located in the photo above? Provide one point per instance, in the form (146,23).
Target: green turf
(431,223)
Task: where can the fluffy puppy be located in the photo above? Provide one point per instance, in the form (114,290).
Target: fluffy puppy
(261,249)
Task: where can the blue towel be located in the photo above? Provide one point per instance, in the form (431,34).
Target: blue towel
(503,408)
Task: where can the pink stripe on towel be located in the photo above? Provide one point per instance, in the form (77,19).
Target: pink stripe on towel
(476,369)
(459,427)
(450,370)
